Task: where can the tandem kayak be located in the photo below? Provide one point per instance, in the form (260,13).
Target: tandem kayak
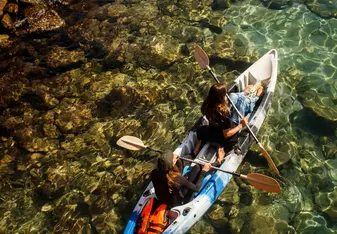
(185,216)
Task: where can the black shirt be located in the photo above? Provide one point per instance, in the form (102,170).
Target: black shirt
(174,197)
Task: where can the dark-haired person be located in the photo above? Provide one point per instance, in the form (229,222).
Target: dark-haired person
(217,110)
(170,186)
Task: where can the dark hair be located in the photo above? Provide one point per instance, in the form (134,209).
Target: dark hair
(216,104)
(170,173)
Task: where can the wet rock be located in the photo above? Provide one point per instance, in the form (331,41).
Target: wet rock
(217,217)
(5,42)
(323,8)
(107,222)
(143,11)
(72,116)
(319,100)
(50,131)
(41,19)
(32,2)
(103,86)
(231,194)
(236,225)
(40,145)
(277,4)
(2,6)
(327,203)
(116,10)
(284,153)
(202,227)
(7,21)
(65,2)
(7,159)
(163,50)
(12,8)
(311,222)
(221,4)
(62,57)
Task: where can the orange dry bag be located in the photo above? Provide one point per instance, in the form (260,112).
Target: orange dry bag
(158,220)
(144,216)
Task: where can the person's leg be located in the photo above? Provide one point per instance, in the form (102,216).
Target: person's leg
(196,148)
(234,97)
(194,173)
(192,177)
(221,156)
(240,104)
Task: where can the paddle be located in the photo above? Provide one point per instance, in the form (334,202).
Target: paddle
(203,60)
(257,180)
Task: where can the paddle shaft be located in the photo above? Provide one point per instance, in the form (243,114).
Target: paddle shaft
(236,109)
(216,168)
(232,173)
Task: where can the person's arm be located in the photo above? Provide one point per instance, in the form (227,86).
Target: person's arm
(195,187)
(229,132)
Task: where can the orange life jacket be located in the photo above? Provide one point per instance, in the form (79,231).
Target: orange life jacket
(144,216)
(158,220)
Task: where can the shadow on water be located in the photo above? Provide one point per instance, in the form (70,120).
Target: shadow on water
(231,65)
(307,120)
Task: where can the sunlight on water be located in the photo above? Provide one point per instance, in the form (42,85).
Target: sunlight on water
(77,75)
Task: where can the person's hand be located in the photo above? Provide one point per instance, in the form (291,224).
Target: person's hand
(244,121)
(206,167)
(221,154)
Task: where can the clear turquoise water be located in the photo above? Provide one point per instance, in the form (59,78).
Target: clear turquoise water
(126,68)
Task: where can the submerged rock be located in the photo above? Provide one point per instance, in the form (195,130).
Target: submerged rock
(12,8)
(41,19)
(310,222)
(7,21)
(62,57)
(2,6)
(277,4)
(231,194)
(327,202)
(5,41)
(323,8)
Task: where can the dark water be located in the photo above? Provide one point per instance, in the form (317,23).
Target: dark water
(76,76)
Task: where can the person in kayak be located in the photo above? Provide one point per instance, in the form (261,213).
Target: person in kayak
(245,101)
(221,127)
(170,186)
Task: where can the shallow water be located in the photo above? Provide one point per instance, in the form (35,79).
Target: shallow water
(126,68)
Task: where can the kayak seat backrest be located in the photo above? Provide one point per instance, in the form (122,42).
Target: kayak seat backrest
(187,145)
(208,153)
(262,69)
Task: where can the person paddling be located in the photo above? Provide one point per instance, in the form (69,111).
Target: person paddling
(217,111)
(170,186)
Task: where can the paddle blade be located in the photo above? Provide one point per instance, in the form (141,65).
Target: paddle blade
(131,143)
(201,56)
(266,155)
(263,182)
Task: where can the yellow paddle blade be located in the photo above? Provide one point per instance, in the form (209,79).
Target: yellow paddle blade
(263,182)
(201,56)
(266,155)
(131,143)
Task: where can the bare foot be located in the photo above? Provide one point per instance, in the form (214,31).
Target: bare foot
(221,155)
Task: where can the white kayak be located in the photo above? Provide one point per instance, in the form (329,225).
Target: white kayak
(265,69)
